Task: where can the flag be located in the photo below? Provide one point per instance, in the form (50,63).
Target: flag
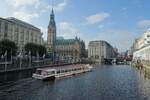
(43,56)
(5,53)
(29,53)
(2,57)
(20,54)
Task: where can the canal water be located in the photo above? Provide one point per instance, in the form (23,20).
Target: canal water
(121,82)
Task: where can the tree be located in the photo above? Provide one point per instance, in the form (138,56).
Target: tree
(41,50)
(8,46)
(34,48)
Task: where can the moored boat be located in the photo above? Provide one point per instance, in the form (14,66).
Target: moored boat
(61,71)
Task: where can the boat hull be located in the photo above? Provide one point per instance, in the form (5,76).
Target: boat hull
(52,78)
(62,72)
(40,77)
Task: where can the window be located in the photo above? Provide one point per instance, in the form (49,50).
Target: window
(6,30)
(16,29)
(27,37)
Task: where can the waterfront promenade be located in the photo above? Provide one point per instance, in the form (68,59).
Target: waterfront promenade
(23,65)
(117,82)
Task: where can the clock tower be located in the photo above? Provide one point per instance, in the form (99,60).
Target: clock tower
(51,39)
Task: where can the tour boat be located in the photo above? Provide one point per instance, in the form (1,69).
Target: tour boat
(61,71)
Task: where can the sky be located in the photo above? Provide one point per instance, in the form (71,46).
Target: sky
(118,22)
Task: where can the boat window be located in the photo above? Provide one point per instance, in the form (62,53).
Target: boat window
(62,71)
(44,73)
(53,72)
(66,70)
(58,72)
(70,69)
(38,72)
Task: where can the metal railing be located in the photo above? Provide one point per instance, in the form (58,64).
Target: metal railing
(17,64)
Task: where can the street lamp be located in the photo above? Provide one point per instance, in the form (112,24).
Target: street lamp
(37,55)
(5,55)
(20,58)
(29,55)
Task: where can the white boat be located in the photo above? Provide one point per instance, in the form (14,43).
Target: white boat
(61,71)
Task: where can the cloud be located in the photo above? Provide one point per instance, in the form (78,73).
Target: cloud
(58,7)
(67,29)
(143,23)
(41,5)
(44,31)
(124,9)
(23,9)
(20,3)
(30,9)
(97,18)
(25,16)
(61,6)
(101,26)
(122,39)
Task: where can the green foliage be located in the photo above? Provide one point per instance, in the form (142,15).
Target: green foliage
(9,46)
(41,50)
(34,48)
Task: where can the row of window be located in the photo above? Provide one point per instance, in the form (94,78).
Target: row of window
(143,54)
(16,34)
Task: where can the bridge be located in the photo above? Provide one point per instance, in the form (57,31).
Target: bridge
(110,61)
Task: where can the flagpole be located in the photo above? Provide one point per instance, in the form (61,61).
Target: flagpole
(20,62)
(20,59)
(29,55)
(37,54)
(43,59)
(6,60)
(11,56)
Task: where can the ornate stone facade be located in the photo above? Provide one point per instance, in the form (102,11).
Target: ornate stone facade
(20,32)
(70,48)
(64,48)
(51,39)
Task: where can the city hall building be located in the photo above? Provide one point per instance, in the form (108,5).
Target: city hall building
(19,32)
(63,48)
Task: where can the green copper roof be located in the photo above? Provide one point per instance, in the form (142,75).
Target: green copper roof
(65,41)
(62,41)
(52,20)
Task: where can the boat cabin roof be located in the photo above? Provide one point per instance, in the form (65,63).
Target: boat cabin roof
(62,67)
(48,70)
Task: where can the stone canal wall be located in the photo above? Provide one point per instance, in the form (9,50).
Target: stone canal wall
(23,65)
(146,67)
(143,65)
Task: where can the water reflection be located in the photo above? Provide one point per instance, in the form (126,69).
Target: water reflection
(103,83)
(14,76)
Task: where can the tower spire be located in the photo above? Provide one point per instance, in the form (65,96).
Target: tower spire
(52,7)
(52,11)
(52,17)
(51,39)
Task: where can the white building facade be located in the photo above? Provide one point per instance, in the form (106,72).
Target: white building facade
(142,47)
(19,32)
(98,50)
